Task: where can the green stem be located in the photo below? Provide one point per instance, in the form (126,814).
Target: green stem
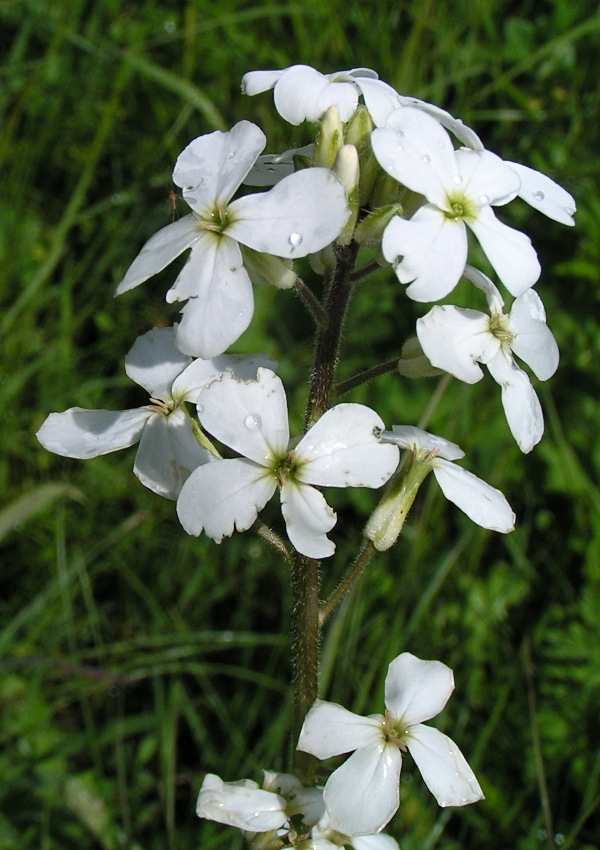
(365,376)
(363,558)
(305,652)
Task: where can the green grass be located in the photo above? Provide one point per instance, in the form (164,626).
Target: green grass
(134,659)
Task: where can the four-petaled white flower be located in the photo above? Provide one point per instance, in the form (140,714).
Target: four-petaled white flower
(342,449)
(302,93)
(430,250)
(169,449)
(457,339)
(242,804)
(363,794)
(302,214)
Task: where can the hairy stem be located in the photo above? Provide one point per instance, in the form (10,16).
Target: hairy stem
(337,298)
(305,651)
(311,301)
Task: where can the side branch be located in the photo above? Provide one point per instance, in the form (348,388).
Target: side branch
(346,583)
(364,377)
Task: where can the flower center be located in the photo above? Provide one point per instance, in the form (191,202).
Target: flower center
(216,221)
(285,468)
(498,327)
(394,732)
(460,208)
(159,406)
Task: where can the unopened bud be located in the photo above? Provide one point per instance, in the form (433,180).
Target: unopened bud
(386,191)
(359,127)
(370,230)
(329,138)
(387,520)
(346,169)
(267,269)
(414,363)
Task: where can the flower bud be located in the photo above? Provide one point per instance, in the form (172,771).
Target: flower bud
(329,138)
(359,127)
(267,269)
(386,191)
(370,230)
(346,169)
(387,520)
(414,363)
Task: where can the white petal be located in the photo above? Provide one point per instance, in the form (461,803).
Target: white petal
(341,450)
(154,362)
(363,794)
(509,251)
(430,250)
(270,168)
(160,250)
(82,434)
(243,806)
(200,373)
(521,404)
(219,315)
(211,167)
(409,437)
(490,290)
(300,215)
(330,730)
(196,275)
(416,690)
(256,82)
(534,342)
(380,99)
(374,842)
(443,767)
(418,153)
(481,502)
(224,495)
(456,125)
(308,518)
(248,416)
(304,94)
(486,178)
(454,338)
(167,453)
(542,193)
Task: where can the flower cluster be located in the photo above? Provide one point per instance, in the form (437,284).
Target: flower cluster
(403,182)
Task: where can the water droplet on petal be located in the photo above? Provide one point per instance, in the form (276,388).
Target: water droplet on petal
(276,159)
(200,408)
(539,196)
(252,421)
(484,199)
(570,210)
(426,158)
(399,132)
(230,155)
(457,179)
(295,240)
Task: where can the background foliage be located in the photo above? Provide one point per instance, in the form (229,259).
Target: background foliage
(134,659)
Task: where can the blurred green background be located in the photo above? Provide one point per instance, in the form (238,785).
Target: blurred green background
(134,659)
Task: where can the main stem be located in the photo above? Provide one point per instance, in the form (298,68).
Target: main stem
(305,571)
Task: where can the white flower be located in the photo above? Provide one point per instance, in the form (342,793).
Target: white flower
(242,804)
(481,502)
(340,450)
(457,339)
(430,250)
(169,449)
(302,214)
(362,795)
(303,94)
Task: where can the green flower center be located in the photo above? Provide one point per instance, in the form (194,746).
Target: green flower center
(499,328)
(460,208)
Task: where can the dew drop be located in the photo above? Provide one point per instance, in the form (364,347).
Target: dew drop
(570,210)
(252,422)
(230,155)
(457,180)
(426,158)
(484,199)
(277,159)
(539,196)
(295,240)
(400,133)
(200,408)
